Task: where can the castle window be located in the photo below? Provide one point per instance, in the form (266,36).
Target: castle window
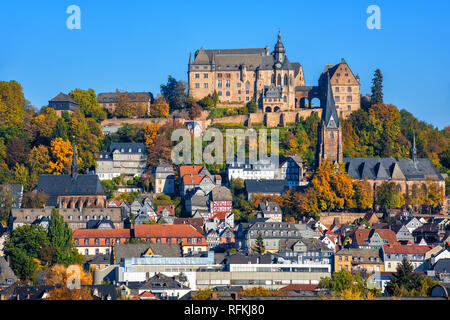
(247,98)
(337,107)
(338,74)
(337,89)
(219,75)
(197,75)
(238,84)
(349,98)
(228,75)
(197,85)
(228,84)
(219,93)
(349,89)
(247,85)
(228,93)
(205,85)
(332,135)
(285,80)
(279,80)
(219,83)
(349,107)
(346,74)
(239,91)
(337,98)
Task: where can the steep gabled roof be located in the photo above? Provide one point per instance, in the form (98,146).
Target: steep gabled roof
(330,116)
(62,97)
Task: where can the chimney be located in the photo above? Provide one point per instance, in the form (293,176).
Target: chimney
(267,50)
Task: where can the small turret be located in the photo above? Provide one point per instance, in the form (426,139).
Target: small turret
(413,149)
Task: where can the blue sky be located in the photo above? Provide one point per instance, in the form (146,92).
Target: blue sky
(135,45)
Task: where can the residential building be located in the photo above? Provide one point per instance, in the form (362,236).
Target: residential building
(358,260)
(306,251)
(221,201)
(7,276)
(415,253)
(110,100)
(75,218)
(190,239)
(270,210)
(402,233)
(164,176)
(99,241)
(63,102)
(127,159)
(372,238)
(16,190)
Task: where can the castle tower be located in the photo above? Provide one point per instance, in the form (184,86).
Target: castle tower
(330,132)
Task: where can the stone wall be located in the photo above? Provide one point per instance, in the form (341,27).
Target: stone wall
(328,218)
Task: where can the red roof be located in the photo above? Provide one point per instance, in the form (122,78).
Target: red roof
(300,287)
(145,294)
(197,223)
(165,230)
(193,179)
(169,207)
(385,234)
(407,248)
(101,233)
(184,170)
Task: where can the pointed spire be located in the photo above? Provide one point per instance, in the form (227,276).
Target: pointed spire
(413,149)
(330,118)
(74,163)
(190,57)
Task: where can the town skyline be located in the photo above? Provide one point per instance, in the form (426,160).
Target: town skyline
(146,53)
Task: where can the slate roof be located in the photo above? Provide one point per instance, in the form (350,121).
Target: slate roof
(267,207)
(66,185)
(104,291)
(197,223)
(171,231)
(136,250)
(6,272)
(365,254)
(62,97)
(442,266)
(330,116)
(160,281)
(390,168)
(100,259)
(239,258)
(266,186)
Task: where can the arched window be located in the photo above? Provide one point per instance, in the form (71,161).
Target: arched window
(273,79)
(285,80)
(279,80)
(332,135)
(247,85)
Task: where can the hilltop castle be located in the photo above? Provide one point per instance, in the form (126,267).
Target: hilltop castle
(240,75)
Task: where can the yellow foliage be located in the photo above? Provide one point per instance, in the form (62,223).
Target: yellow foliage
(61,154)
(150,134)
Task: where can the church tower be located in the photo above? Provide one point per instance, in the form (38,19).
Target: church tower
(74,171)
(330,132)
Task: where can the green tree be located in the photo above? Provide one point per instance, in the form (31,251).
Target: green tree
(252,106)
(89,106)
(404,281)
(388,196)
(175,93)
(377,88)
(60,237)
(259,246)
(363,194)
(344,281)
(6,202)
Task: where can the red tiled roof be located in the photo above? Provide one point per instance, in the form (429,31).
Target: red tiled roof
(300,287)
(166,230)
(197,223)
(193,179)
(101,233)
(145,294)
(407,249)
(385,234)
(169,207)
(184,170)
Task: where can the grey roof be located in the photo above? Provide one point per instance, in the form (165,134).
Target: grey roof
(330,116)
(267,207)
(442,266)
(239,258)
(100,259)
(126,146)
(390,168)
(100,224)
(104,291)
(266,186)
(111,97)
(62,97)
(315,245)
(136,250)
(160,281)
(6,273)
(17,193)
(66,185)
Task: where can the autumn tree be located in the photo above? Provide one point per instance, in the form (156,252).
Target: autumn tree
(34,199)
(349,286)
(363,195)
(160,151)
(11,104)
(39,159)
(322,185)
(151,131)
(159,108)
(6,202)
(195,111)
(61,156)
